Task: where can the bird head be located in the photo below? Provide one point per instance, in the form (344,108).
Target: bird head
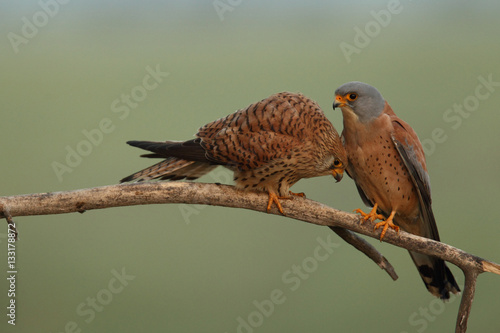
(360,100)
(338,168)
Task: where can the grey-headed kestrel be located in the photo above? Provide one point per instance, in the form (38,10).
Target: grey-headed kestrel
(270,145)
(387,163)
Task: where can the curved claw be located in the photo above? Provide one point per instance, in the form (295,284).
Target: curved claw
(386,225)
(372,215)
(301,194)
(273,198)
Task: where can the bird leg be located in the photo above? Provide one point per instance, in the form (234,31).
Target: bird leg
(372,215)
(301,194)
(273,198)
(387,224)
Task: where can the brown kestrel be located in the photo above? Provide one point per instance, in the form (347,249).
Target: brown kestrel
(387,163)
(270,145)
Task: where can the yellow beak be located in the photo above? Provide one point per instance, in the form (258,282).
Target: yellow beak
(338,173)
(340,101)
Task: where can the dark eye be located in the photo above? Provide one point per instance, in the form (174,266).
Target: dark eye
(337,163)
(352,96)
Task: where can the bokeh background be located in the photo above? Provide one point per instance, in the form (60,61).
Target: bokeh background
(204,269)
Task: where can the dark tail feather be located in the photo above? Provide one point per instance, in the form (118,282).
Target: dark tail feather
(189,150)
(437,277)
(172,169)
(182,160)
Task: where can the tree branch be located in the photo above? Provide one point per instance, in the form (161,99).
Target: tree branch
(223,195)
(368,249)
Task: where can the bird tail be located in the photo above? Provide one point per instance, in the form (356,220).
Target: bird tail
(183,160)
(437,277)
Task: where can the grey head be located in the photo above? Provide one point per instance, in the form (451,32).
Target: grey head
(364,100)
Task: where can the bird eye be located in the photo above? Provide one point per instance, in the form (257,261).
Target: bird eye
(352,96)
(337,163)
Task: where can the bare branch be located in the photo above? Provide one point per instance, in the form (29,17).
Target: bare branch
(223,195)
(157,193)
(491,267)
(12,226)
(467,298)
(368,249)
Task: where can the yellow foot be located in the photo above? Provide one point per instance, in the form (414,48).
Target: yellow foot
(372,215)
(301,194)
(387,224)
(273,198)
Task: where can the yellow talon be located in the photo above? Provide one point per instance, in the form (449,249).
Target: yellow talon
(372,215)
(387,224)
(273,198)
(301,194)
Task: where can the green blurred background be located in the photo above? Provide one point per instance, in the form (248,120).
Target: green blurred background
(200,269)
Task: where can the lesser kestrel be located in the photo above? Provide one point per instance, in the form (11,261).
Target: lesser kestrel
(270,145)
(387,162)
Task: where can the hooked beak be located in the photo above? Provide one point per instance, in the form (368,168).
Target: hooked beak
(338,174)
(339,102)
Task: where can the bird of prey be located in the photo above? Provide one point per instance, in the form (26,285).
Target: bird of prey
(387,163)
(269,145)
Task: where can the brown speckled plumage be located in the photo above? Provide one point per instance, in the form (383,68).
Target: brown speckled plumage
(387,163)
(270,145)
